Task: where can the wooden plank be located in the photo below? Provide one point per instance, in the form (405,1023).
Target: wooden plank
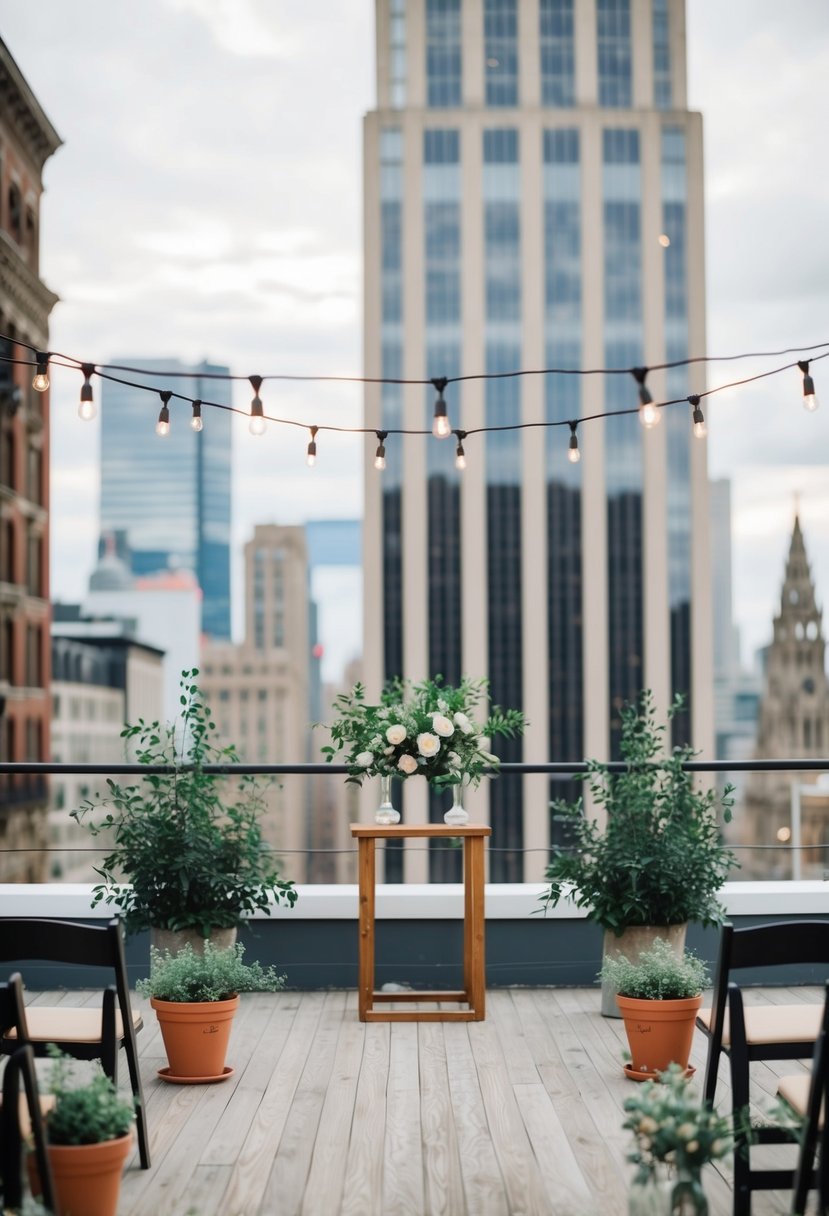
(420,1015)
(442,1180)
(363,1187)
(205,1192)
(402,831)
(477,927)
(420,995)
(292,1161)
(565,1188)
(483,1182)
(403,1156)
(365,979)
(326,1175)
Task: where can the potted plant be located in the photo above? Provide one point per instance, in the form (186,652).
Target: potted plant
(658,997)
(675,1135)
(657,861)
(195,996)
(89,1133)
(187,855)
(426,729)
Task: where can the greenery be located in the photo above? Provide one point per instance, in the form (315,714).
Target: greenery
(659,859)
(215,975)
(660,974)
(671,1125)
(188,850)
(426,729)
(87,1113)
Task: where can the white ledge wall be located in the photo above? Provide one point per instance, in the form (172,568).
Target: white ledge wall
(430,901)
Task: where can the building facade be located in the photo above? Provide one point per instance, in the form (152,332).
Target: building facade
(167,499)
(262,693)
(781,807)
(27,140)
(533,199)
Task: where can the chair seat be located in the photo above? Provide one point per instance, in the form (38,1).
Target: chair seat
(768,1024)
(63,1024)
(795,1091)
(47,1101)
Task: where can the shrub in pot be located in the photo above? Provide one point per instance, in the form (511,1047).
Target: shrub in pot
(195,996)
(659,997)
(89,1133)
(187,853)
(657,860)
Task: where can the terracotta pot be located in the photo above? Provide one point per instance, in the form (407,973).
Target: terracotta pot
(88,1176)
(174,939)
(196,1035)
(632,942)
(659,1033)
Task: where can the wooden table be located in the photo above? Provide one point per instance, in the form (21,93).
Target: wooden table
(474,981)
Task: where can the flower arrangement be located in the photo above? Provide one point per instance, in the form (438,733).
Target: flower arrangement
(671,1126)
(425,728)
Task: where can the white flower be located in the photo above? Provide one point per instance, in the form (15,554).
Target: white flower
(396,734)
(407,764)
(692,1146)
(382,713)
(442,726)
(488,756)
(364,759)
(454,759)
(463,722)
(376,743)
(428,744)
(388,751)
(686,1131)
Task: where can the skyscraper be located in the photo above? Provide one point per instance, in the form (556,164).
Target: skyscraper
(533,199)
(169,499)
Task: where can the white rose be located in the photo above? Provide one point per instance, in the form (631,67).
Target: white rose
(388,751)
(463,722)
(442,726)
(407,764)
(364,759)
(396,734)
(428,744)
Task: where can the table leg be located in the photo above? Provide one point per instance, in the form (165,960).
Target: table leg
(475,920)
(366,861)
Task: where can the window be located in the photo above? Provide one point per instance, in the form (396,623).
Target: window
(443,52)
(661,56)
(557,52)
(614,52)
(501,52)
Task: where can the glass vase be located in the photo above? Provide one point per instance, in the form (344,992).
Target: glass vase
(659,1195)
(457,816)
(385,812)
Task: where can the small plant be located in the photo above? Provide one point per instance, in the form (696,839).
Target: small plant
(659,975)
(215,975)
(85,1113)
(426,729)
(188,850)
(672,1126)
(658,859)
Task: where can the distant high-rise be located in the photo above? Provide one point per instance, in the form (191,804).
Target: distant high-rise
(171,496)
(533,198)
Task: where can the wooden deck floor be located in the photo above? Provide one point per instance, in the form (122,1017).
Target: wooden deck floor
(324,1115)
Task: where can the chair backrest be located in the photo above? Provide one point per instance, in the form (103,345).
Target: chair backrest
(775,945)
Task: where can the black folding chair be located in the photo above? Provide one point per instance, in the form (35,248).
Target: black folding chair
(85,1033)
(20,1120)
(807,1095)
(772,1032)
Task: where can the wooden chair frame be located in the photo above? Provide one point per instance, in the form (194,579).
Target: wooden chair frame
(87,945)
(20,1066)
(814,1138)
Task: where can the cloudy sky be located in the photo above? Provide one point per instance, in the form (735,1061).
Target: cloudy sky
(207,202)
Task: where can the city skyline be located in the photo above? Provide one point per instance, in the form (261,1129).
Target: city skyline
(196,243)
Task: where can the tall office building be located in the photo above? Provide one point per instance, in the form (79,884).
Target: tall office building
(168,500)
(533,199)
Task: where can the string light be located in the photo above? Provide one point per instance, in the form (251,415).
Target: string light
(460,454)
(573,453)
(257,425)
(380,454)
(86,405)
(440,427)
(810,401)
(649,415)
(196,421)
(41,379)
(698,418)
(311,455)
(162,427)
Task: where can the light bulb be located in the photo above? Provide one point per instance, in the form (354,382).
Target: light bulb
(162,427)
(573,453)
(41,378)
(440,427)
(196,421)
(380,454)
(311,456)
(700,430)
(460,457)
(810,401)
(86,406)
(648,415)
(257,425)
(698,418)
